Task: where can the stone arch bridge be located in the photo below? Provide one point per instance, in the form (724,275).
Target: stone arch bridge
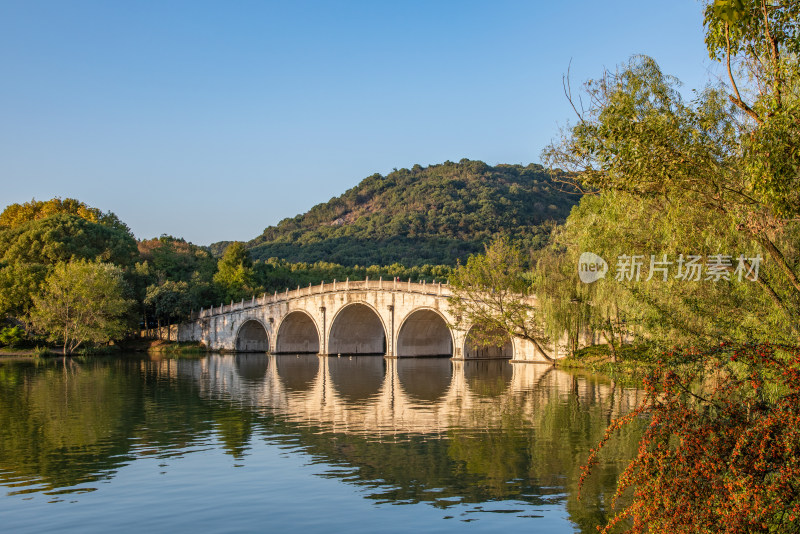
(390,318)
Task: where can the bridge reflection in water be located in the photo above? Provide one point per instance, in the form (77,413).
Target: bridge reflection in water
(470,438)
(377,396)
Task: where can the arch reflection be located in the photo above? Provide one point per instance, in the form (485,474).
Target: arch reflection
(297,371)
(425,379)
(251,367)
(357,378)
(488,378)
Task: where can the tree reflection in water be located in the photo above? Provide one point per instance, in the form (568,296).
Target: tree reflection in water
(413,431)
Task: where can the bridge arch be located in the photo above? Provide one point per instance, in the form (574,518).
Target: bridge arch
(297,334)
(424,332)
(252,336)
(474,350)
(357,328)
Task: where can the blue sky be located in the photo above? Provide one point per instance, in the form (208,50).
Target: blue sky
(212,120)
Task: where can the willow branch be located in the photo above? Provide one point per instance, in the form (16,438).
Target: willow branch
(738,99)
(780,260)
(773,48)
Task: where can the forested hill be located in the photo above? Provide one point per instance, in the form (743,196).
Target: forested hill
(432,215)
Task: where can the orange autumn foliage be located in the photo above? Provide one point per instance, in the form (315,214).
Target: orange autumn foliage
(721,453)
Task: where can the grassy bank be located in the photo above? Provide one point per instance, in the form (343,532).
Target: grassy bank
(174,347)
(631,362)
(134,345)
(28,352)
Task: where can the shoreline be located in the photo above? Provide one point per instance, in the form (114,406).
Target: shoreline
(145,346)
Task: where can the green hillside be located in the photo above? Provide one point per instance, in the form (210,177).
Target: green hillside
(431,215)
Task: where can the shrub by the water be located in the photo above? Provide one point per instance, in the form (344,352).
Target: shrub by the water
(12,336)
(721,453)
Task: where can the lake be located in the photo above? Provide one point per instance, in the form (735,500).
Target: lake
(256,442)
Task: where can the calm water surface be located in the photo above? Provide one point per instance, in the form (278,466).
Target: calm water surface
(254,443)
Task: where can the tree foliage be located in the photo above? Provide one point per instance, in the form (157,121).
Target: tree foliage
(661,310)
(174,259)
(492,293)
(18,282)
(64,237)
(721,453)
(81,302)
(234,274)
(715,175)
(36,236)
(16,215)
(276,274)
(170,300)
(172,278)
(432,215)
(12,335)
(701,165)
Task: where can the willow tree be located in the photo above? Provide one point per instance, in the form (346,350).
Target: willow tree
(720,451)
(492,292)
(724,168)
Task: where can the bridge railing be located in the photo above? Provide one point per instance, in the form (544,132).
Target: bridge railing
(406,286)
